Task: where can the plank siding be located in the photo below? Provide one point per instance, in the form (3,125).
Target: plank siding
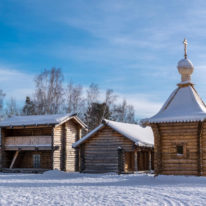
(28,140)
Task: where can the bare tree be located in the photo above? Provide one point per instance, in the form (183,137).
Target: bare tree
(11,108)
(2,96)
(123,113)
(48,96)
(110,98)
(92,94)
(74,99)
(130,114)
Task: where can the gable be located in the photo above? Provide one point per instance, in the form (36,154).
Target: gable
(109,138)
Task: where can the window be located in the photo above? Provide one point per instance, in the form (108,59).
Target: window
(180,149)
(36,160)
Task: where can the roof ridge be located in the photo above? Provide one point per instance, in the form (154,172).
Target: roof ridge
(198,95)
(171,99)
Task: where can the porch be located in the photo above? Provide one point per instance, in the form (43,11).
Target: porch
(29,161)
(139,160)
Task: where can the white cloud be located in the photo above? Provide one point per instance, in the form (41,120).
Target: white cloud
(15,83)
(144,105)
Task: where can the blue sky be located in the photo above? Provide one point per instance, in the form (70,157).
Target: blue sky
(131,46)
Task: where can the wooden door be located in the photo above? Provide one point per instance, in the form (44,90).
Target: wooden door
(129,161)
(143,160)
(36,160)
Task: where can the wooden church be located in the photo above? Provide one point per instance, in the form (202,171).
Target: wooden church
(180,128)
(40,142)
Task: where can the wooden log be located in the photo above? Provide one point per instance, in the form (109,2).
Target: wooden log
(158,148)
(120,160)
(135,161)
(14,159)
(199,143)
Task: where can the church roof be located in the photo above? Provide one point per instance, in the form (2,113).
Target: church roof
(137,134)
(183,105)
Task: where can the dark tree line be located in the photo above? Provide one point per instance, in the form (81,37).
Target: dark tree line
(51,96)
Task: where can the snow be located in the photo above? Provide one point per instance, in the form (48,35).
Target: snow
(139,135)
(183,105)
(37,120)
(59,188)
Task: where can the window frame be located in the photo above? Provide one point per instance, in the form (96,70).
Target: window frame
(180,147)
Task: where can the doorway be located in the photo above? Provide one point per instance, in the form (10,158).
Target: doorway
(129,162)
(36,160)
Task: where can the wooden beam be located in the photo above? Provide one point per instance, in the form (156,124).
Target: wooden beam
(82,157)
(120,160)
(157,149)
(135,161)
(52,147)
(199,145)
(27,148)
(150,160)
(14,159)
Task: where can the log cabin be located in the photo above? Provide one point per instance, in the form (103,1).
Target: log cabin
(40,142)
(180,128)
(116,147)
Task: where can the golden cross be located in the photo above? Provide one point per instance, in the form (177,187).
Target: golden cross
(185,47)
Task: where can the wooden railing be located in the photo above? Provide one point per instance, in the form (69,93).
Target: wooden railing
(28,140)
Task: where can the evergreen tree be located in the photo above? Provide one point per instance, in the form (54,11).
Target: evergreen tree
(95,113)
(29,107)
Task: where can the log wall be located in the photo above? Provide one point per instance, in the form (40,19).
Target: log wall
(57,145)
(100,151)
(203,150)
(2,151)
(72,155)
(167,137)
(64,156)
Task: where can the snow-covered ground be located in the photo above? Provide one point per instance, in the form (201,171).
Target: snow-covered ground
(59,188)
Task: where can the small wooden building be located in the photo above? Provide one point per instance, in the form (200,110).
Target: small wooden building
(180,129)
(40,142)
(116,147)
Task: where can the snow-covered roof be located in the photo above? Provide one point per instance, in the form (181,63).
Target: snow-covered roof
(139,135)
(183,105)
(52,119)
